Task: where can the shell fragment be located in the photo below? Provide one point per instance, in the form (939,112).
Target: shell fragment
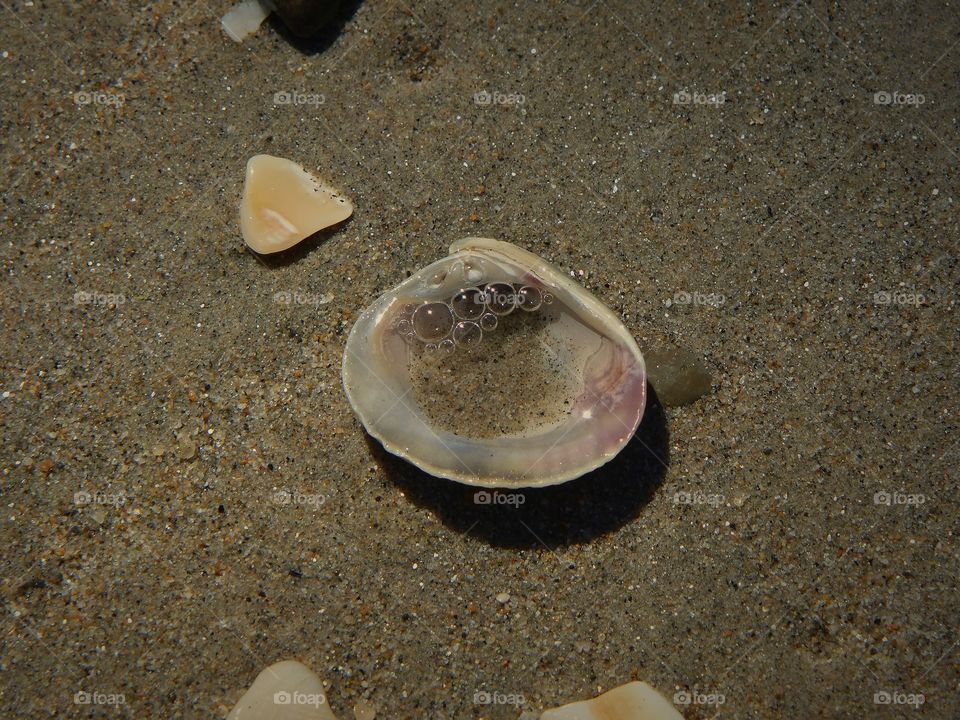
(283,204)
(286,690)
(633,701)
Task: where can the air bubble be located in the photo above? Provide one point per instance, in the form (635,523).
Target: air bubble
(467,334)
(432,321)
(501,298)
(529,298)
(547,298)
(446,346)
(404,327)
(488,322)
(468,304)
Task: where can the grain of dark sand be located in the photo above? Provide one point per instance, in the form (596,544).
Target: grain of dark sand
(725,177)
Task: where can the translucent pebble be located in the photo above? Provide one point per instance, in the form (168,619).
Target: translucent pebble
(467,334)
(432,321)
(468,304)
(529,298)
(488,322)
(678,375)
(501,298)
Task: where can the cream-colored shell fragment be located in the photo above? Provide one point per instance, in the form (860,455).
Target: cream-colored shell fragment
(633,701)
(243,19)
(377,382)
(286,690)
(283,204)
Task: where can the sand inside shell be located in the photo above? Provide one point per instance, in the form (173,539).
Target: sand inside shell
(514,382)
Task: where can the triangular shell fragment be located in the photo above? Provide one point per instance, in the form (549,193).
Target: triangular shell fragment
(286,690)
(283,204)
(633,701)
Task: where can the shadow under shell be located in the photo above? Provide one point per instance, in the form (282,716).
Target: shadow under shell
(553,517)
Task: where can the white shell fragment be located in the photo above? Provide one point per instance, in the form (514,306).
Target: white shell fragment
(492,367)
(286,690)
(244,19)
(633,701)
(283,204)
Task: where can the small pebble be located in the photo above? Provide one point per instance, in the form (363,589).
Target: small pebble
(503,598)
(678,376)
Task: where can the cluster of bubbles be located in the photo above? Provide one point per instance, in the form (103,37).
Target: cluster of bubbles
(472,311)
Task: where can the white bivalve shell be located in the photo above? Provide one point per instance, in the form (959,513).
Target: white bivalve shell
(492,367)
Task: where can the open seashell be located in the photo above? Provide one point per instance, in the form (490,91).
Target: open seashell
(492,367)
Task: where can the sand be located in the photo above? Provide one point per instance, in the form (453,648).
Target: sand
(188,497)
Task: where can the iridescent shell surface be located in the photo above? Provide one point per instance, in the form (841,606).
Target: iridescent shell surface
(492,367)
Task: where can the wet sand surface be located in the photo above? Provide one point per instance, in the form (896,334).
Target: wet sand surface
(187,496)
